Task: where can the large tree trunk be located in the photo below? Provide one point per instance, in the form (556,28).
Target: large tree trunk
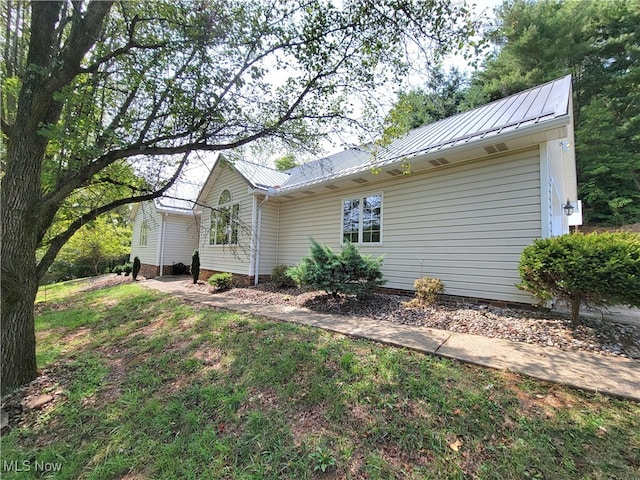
(19,202)
(18,333)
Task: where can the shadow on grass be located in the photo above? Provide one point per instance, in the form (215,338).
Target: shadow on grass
(149,387)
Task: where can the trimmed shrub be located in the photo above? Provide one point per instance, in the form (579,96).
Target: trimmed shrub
(221,281)
(179,268)
(347,273)
(280,278)
(595,270)
(427,291)
(136,268)
(195,266)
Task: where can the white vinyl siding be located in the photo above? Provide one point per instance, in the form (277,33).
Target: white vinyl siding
(180,238)
(466,225)
(558,195)
(147,253)
(268,236)
(227,258)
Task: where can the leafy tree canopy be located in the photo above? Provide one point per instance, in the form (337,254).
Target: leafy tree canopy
(286,162)
(441,98)
(596,42)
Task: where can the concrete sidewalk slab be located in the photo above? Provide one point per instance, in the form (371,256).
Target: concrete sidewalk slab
(617,376)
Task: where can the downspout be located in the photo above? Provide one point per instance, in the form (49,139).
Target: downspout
(278,234)
(258,233)
(252,248)
(162,232)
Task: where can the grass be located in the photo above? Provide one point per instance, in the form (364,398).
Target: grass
(149,387)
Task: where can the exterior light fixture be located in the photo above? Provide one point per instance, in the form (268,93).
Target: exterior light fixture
(568,208)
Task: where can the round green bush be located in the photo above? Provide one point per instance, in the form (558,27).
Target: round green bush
(595,269)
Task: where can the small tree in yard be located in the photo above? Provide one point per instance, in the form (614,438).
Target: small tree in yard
(595,269)
(348,272)
(195,266)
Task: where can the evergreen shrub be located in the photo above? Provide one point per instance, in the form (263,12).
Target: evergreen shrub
(595,270)
(280,278)
(427,291)
(347,272)
(195,266)
(179,269)
(221,281)
(136,268)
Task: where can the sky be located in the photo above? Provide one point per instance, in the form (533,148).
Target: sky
(387,96)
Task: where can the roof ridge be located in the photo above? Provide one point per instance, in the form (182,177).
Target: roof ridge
(256,165)
(489,104)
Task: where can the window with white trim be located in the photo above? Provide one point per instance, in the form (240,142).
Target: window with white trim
(362,219)
(224,221)
(144,232)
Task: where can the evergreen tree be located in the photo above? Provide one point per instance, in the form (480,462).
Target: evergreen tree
(596,42)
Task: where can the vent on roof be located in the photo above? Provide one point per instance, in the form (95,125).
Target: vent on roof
(308,192)
(438,161)
(289,196)
(360,180)
(394,172)
(331,187)
(498,147)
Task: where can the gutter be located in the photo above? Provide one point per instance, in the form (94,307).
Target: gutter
(489,138)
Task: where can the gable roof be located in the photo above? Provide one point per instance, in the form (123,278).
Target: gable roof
(536,107)
(529,108)
(180,198)
(259,176)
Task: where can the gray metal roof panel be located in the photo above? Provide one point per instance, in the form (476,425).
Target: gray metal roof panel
(530,107)
(260,176)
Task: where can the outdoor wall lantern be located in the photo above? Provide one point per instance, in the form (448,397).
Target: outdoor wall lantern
(568,208)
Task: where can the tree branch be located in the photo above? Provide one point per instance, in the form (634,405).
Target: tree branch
(58,241)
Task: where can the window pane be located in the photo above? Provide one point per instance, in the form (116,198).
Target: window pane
(213,228)
(143,234)
(225,197)
(222,226)
(235,210)
(371,218)
(350,220)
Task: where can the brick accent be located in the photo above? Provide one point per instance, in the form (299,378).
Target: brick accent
(239,280)
(149,271)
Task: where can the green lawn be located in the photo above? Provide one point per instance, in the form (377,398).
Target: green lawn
(150,387)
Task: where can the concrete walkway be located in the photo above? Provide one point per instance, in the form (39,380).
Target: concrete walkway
(610,375)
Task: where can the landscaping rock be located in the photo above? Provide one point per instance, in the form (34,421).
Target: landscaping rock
(38,402)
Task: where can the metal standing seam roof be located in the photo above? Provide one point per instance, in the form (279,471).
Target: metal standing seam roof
(530,107)
(260,176)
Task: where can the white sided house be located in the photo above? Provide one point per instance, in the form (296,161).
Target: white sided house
(457,200)
(166,230)
(164,234)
